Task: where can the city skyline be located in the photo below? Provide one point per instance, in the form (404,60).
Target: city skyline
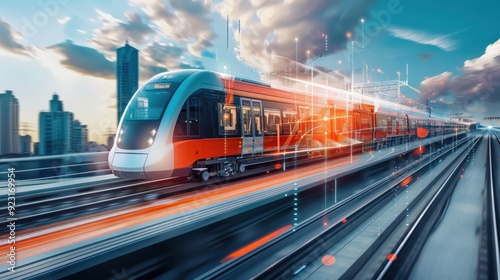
(54,137)
(60,132)
(70,48)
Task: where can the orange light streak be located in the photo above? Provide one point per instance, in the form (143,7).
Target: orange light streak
(27,247)
(392,257)
(256,244)
(405,182)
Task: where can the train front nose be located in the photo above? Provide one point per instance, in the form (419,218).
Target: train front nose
(153,163)
(128,165)
(130,157)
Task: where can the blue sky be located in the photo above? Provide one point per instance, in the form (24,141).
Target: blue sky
(68,47)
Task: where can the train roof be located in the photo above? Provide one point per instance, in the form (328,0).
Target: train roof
(175,76)
(253,88)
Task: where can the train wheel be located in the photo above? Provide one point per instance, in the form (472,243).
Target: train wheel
(204,176)
(193,177)
(241,168)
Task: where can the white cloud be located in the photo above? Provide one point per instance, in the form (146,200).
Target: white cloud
(84,60)
(489,59)
(270,26)
(157,53)
(477,89)
(105,17)
(9,40)
(441,41)
(183,21)
(114,32)
(159,57)
(64,20)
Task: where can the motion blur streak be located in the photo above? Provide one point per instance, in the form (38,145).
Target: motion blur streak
(256,244)
(62,237)
(406,182)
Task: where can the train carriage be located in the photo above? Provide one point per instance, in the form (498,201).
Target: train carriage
(200,124)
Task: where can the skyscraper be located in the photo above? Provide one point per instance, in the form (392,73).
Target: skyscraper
(36,149)
(55,129)
(25,141)
(79,137)
(9,123)
(127,76)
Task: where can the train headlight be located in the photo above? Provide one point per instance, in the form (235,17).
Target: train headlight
(120,133)
(151,139)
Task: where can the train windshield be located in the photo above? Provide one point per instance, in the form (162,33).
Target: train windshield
(150,101)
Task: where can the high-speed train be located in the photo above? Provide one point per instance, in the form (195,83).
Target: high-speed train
(200,124)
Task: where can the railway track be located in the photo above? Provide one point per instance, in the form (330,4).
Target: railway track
(488,259)
(408,248)
(160,227)
(293,263)
(43,207)
(490,246)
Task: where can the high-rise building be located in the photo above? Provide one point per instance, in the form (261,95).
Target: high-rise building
(127,76)
(9,123)
(55,128)
(25,141)
(111,141)
(79,137)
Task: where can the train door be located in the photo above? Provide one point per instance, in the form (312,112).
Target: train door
(396,130)
(357,126)
(389,126)
(253,139)
(305,118)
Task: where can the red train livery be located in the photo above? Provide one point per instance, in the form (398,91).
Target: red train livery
(200,124)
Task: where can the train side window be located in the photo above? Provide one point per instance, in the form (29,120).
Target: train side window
(382,123)
(273,120)
(357,122)
(247,117)
(142,108)
(227,119)
(365,123)
(181,124)
(340,118)
(289,122)
(194,116)
(257,118)
(389,125)
(305,113)
(402,125)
